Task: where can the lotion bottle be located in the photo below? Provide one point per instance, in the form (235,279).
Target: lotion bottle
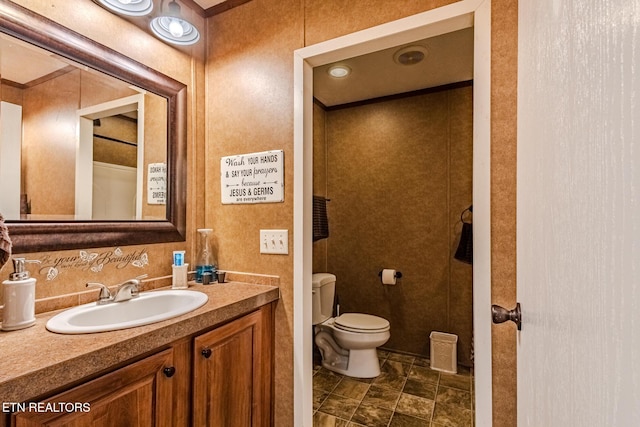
(19,298)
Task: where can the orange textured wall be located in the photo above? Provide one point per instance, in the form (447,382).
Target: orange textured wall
(504,66)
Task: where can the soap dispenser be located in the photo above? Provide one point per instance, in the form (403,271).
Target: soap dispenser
(19,298)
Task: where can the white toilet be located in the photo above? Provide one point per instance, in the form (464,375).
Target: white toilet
(348,342)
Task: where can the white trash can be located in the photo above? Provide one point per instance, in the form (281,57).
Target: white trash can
(444,353)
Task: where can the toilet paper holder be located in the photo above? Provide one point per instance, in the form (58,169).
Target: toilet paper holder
(398,275)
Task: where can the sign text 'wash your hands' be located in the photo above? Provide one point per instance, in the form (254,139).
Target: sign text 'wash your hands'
(252,178)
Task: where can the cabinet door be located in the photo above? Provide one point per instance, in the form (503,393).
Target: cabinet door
(232,373)
(134,396)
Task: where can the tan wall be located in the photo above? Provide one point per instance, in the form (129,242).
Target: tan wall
(504,65)
(184,66)
(11,94)
(49,139)
(250,108)
(107,151)
(407,163)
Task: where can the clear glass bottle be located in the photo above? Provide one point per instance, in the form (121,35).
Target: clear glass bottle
(205,262)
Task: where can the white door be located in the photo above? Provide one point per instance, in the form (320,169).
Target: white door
(10,159)
(114,191)
(578,236)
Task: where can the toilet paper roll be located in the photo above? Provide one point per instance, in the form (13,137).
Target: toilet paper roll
(388,276)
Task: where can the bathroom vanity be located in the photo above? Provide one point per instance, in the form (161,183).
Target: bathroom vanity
(212,366)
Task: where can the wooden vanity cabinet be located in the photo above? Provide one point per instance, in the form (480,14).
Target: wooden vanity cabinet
(219,378)
(140,394)
(232,373)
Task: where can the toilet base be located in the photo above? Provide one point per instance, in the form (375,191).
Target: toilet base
(362,364)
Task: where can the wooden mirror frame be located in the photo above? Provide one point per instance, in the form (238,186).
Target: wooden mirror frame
(39,236)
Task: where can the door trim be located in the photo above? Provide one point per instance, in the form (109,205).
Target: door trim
(84,150)
(456,16)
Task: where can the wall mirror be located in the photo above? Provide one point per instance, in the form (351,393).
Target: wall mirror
(92,143)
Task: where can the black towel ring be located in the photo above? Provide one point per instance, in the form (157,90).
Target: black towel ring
(470,209)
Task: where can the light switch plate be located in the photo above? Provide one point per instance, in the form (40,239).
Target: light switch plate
(274,242)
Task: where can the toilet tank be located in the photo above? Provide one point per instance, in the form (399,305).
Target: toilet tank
(324,289)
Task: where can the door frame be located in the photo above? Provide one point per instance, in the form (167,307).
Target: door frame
(456,16)
(84,150)
(10,159)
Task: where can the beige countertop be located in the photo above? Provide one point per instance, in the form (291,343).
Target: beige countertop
(34,361)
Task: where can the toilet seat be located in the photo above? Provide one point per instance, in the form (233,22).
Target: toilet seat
(361,323)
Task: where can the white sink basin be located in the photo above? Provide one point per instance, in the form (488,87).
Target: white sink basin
(149,307)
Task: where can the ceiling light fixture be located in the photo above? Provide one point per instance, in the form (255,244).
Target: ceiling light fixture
(129,7)
(410,55)
(173,28)
(339,71)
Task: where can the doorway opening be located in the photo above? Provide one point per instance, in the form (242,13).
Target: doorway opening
(117,180)
(448,19)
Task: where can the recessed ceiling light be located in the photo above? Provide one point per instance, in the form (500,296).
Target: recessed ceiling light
(129,7)
(410,55)
(172,28)
(339,71)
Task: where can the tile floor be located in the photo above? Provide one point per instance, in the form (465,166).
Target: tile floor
(407,393)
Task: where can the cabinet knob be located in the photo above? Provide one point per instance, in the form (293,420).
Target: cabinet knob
(206,353)
(168,372)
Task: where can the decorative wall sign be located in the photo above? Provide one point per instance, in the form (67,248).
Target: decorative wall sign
(157,184)
(252,178)
(92,261)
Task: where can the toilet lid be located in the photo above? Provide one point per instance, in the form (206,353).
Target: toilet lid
(359,322)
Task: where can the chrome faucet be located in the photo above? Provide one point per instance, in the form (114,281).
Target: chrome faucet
(125,292)
(105,296)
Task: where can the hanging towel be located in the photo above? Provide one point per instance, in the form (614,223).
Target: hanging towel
(464,252)
(320,221)
(5,242)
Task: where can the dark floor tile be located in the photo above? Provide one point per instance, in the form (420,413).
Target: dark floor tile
(420,388)
(391,381)
(320,419)
(451,416)
(381,397)
(452,396)
(401,420)
(395,367)
(339,406)
(318,397)
(325,380)
(372,416)
(392,375)
(405,385)
(462,382)
(415,406)
(422,373)
(351,388)
(403,358)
